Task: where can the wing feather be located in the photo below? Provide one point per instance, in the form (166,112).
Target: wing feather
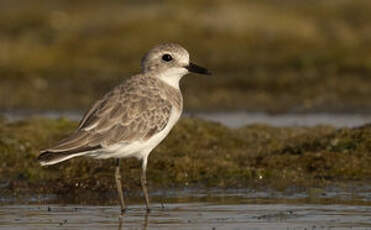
(125,114)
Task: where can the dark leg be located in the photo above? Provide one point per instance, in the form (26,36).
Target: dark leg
(143,181)
(119,186)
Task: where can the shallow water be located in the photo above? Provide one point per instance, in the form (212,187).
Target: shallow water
(238,119)
(233,119)
(187,216)
(328,208)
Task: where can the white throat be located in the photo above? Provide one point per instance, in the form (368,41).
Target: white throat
(172,76)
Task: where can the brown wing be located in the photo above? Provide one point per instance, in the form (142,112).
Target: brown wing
(134,118)
(125,114)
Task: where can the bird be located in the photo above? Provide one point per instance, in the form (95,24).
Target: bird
(132,118)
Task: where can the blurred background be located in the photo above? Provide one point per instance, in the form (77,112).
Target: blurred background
(271,56)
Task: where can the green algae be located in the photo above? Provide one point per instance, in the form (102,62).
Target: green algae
(197,153)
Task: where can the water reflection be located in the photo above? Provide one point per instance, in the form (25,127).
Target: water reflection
(122,220)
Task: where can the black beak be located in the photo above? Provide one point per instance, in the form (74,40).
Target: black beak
(197,69)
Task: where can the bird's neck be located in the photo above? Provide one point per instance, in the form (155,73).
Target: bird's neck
(171,76)
(167,88)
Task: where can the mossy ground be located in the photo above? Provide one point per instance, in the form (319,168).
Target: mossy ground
(265,55)
(196,154)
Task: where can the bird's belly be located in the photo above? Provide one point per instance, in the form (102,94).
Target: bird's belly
(140,149)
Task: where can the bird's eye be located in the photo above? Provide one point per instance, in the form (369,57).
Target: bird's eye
(167,57)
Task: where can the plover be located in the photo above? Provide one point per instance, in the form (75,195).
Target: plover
(134,117)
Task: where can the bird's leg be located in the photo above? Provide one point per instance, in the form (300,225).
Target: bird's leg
(120,223)
(143,181)
(145,224)
(119,186)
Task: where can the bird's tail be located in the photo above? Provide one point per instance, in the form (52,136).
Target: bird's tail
(51,158)
(54,156)
(74,145)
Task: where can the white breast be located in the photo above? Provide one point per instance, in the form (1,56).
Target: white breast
(172,76)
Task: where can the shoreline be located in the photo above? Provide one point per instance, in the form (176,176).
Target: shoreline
(231,119)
